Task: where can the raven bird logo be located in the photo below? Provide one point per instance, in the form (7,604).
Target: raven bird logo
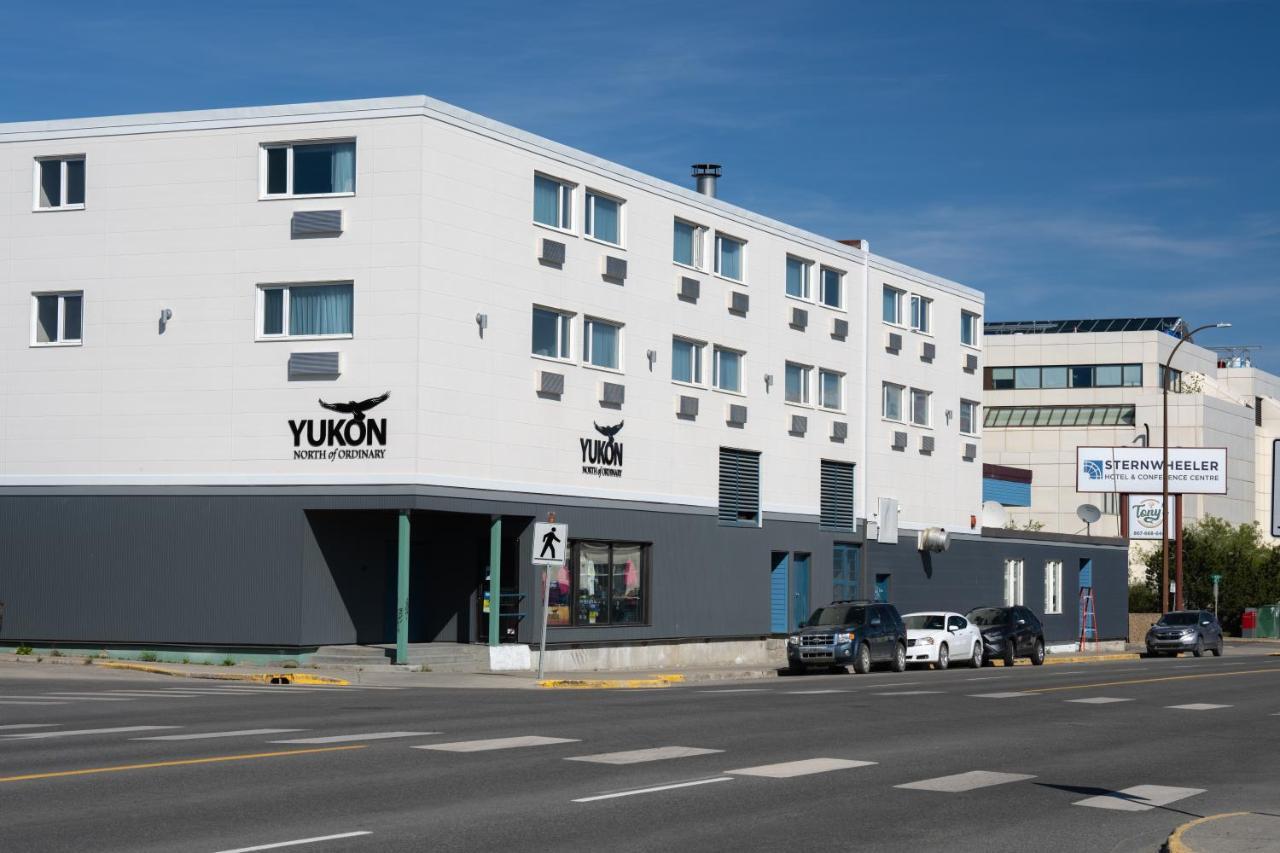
(609,432)
(356,409)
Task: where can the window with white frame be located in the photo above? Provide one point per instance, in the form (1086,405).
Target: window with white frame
(891,401)
(730,258)
(311,310)
(968,328)
(798,277)
(604,218)
(1013,583)
(601,343)
(968,417)
(920,405)
(57,319)
(292,169)
(551,333)
(688,244)
(831,390)
(1053,586)
(796,383)
(832,288)
(59,183)
(893,305)
(921,309)
(686,360)
(728,369)
(552,202)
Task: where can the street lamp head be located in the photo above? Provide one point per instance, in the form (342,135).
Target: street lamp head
(1222,325)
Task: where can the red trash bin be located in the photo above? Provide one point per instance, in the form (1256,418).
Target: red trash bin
(1249,623)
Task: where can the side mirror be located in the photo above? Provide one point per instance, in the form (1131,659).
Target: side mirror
(954,628)
(1022,621)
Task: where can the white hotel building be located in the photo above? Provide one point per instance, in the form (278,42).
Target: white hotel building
(250,357)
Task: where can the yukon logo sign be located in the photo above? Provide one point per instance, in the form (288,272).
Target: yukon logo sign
(602,457)
(359,437)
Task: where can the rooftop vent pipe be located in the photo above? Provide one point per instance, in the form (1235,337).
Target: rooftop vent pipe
(706,173)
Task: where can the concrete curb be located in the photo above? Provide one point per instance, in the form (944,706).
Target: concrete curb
(1057,659)
(1175,844)
(611,683)
(261,678)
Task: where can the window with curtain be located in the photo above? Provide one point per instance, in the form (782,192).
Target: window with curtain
(687,248)
(550,333)
(920,415)
(552,202)
(686,361)
(306,310)
(797,277)
(893,305)
(601,342)
(968,417)
(832,288)
(604,218)
(921,308)
(729,257)
(796,383)
(831,390)
(891,407)
(968,328)
(316,168)
(728,369)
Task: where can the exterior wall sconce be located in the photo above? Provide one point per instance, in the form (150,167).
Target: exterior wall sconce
(768,382)
(652,355)
(482,322)
(166,314)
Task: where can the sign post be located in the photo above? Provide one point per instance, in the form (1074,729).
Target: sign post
(1216,580)
(550,545)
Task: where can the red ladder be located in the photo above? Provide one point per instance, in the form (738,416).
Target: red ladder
(1088,617)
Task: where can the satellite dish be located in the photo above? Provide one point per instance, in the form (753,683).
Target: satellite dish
(993,514)
(1088,513)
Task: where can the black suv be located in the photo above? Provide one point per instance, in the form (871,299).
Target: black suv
(844,632)
(1009,633)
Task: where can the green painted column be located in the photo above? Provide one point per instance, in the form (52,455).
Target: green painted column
(402,589)
(495,578)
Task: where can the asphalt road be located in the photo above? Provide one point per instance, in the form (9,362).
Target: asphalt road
(1023,759)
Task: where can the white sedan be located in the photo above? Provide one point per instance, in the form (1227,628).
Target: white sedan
(941,637)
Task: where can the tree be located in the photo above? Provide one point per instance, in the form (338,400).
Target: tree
(1250,568)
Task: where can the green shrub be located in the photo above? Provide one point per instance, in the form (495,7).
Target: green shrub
(228,661)
(149,657)
(22,650)
(1143,598)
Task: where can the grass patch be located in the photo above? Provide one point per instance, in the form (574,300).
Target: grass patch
(23,650)
(149,657)
(228,661)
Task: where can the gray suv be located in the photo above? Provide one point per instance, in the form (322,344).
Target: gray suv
(850,632)
(1185,631)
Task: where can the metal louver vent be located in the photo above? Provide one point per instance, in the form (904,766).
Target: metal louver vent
(894,342)
(899,441)
(799,424)
(840,328)
(739,303)
(799,318)
(613,394)
(315,223)
(927,351)
(836,511)
(739,487)
(550,384)
(970,452)
(687,407)
(926,444)
(737,415)
(690,289)
(839,431)
(970,363)
(615,268)
(314,365)
(552,252)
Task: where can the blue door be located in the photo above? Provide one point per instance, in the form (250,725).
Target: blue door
(778,594)
(799,589)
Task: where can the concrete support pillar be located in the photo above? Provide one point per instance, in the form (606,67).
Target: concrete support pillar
(495,578)
(402,589)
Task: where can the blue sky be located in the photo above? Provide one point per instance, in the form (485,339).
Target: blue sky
(1070,158)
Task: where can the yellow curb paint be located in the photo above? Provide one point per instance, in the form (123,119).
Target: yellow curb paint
(605,684)
(1056,659)
(265,678)
(1148,680)
(1175,844)
(178,763)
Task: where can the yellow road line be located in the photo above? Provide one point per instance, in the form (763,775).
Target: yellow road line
(1175,844)
(178,763)
(1148,680)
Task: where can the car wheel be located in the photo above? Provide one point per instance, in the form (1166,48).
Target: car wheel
(1037,654)
(975,660)
(1010,652)
(899,658)
(796,669)
(1217,652)
(1198,651)
(944,657)
(862,661)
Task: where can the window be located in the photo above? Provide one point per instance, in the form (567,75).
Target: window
(60,183)
(796,383)
(552,202)
(551,333)
(891,405)
(968,328)
(1107,375)
(1026,377)
(920,415)
(729,258)
(893,305)
(836,498)
(921,309)
(688,247)
(602,583)
(305,310)
(57,318)
(1053,586)
(830,390)
(1110,503)
(604,218)
(1081,377)
(1012,582)
(601,343)
(1058,416)
(832,288)
(1132,376)
(319,168)
(1053,377)
(686,361)
(1063,376)
(998,378)
(968,417)
(1174,379)
(728,369)
(739,487)
(798,277)
(882,589)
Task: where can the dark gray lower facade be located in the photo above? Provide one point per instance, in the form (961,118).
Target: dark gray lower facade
(288,568)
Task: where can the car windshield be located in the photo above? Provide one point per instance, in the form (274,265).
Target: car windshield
(988,616)
(925,621)
(1179,619)
(838,615)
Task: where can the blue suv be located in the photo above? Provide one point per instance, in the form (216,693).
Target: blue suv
(855,632)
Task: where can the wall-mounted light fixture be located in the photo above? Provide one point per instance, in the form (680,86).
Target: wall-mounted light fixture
(768,382)
(482,321)
(652,355)
(166,315)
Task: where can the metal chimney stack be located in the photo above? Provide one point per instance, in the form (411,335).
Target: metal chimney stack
(706,174)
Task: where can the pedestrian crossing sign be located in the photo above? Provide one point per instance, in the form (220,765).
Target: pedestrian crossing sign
(550,544)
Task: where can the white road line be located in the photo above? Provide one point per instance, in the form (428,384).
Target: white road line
(365,736)
(67,697)
(27,702)
(988,678)
(652,790)
(497,743)
(204,735)
(1197,706)
(299,841)
(29,726)
(998,695)
(805,767)
(1139,798)
(961,782)
(738,690)
(909,693)
(110,731)
(640,756)
(1067,672)
(1098,700)
(811,692)
(149,694)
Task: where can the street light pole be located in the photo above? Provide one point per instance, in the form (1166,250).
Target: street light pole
(1164,472)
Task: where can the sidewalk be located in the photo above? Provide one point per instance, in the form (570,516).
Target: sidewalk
(1235,832)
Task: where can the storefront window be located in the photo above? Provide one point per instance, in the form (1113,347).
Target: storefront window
(626,603)
(593,584)
(559,597)
(608,586)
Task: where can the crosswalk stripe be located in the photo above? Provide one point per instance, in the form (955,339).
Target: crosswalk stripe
(70,733)
(149,694)
(9,726)
(497,743)
(960,782)
(205,735)
(67,697)
(653,790)
(1139,798)
(1098,700)
(639,756)
(28,702)
(811,692)
(909,693)
(804,767)
(1008,695)
(1197,706)
(365,736)
(738,690)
